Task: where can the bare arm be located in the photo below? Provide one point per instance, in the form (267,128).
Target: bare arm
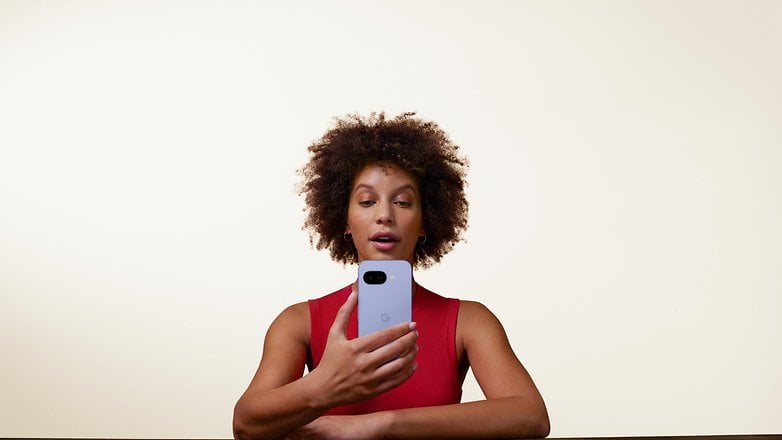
(279,400)
(513,407)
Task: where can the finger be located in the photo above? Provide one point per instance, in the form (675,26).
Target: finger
(373,341)
(396,373)
(405,349)
(395,349)
(340,324)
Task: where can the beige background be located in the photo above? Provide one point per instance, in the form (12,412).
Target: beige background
(625,195)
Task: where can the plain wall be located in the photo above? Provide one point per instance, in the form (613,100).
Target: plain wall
(625,193)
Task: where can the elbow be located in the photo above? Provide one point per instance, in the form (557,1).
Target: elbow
(541,425)
(532,421)
(240,431)
(241,428)
(239,434)
(543,428)
(243,433)
(533,427)
(246,426)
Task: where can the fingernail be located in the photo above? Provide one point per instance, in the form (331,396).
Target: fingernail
(412,325)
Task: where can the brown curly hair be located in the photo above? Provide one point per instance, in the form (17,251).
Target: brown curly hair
(417,146)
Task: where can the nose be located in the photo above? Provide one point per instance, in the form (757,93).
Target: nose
(384,214)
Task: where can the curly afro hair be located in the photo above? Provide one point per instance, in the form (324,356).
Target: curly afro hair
(417,146)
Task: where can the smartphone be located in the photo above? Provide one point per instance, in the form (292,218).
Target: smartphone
(385,294)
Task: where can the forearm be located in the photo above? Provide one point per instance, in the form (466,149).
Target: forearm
(510,417)
(275,413)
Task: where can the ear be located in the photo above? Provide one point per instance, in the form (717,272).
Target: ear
(347,229)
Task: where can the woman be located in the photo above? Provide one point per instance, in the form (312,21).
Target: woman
(375,189)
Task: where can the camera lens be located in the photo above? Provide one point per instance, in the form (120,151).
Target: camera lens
(374,277)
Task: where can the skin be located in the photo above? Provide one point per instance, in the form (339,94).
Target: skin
(281,403)
(385,200)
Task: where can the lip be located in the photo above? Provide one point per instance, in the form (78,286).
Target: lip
(384,234)
(393,241)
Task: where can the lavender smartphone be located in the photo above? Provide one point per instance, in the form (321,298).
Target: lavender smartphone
(385,294)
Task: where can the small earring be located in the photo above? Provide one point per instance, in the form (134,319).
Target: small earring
(421,239)
(347,236)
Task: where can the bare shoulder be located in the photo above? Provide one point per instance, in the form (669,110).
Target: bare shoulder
(476,325)
(474,313)
(293,321)
(296,311)
(284,349)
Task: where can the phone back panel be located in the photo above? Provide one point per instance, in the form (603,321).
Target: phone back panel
(386,303)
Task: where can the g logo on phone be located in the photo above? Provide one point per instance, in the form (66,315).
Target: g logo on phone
(384,317)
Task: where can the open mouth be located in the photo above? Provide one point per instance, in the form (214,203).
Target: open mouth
(384,238)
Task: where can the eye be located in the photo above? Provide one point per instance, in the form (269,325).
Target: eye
(366,203)
(404,203)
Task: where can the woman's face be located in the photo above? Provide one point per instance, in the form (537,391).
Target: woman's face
(384,213)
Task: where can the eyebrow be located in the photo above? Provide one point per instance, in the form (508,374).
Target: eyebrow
(399,189)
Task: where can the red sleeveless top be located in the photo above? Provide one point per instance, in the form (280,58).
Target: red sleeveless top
(435,381)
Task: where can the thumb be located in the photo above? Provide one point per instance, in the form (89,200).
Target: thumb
(340,325)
